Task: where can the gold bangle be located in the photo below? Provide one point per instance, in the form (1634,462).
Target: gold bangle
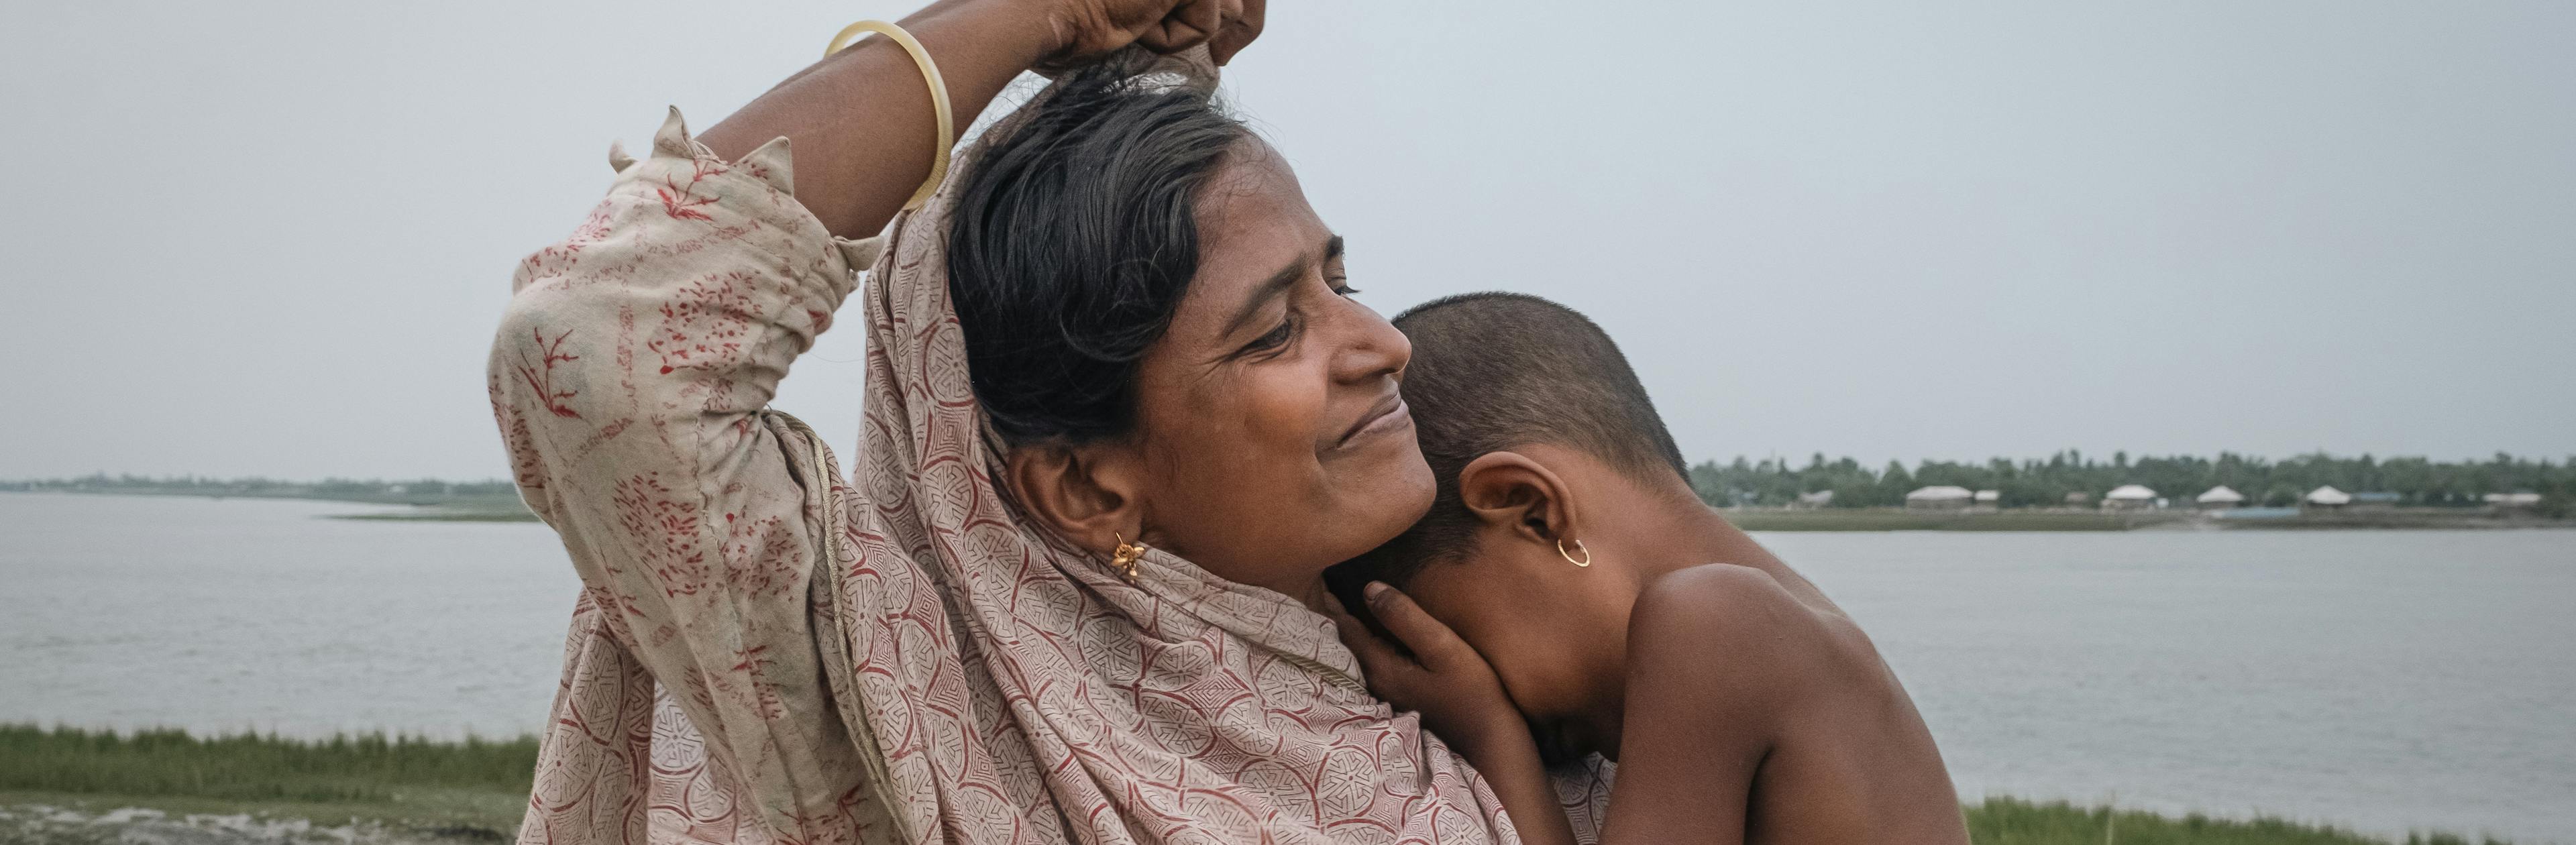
(938,98)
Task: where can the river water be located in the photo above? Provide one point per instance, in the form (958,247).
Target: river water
(2383,680)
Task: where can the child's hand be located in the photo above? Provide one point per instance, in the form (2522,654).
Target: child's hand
(1453,687)
(1462,701)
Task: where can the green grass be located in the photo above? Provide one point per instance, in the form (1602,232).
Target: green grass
(2012,821)
(475,789)
(370,767)
(475,783)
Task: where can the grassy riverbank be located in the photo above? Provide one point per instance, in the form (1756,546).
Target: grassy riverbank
(65,787)
(2012,821)
(476,788)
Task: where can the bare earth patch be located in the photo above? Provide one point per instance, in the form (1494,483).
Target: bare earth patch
(39,824)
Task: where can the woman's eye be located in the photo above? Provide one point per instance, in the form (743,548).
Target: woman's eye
(1276,338)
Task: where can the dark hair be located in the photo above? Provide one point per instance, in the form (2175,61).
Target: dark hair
(1493,371)
(1073,238)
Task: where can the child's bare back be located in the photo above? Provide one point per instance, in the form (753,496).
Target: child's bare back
(1558,601)
(1737,687)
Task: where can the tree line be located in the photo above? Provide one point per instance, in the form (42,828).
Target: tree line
(2418,482)
(1772,482)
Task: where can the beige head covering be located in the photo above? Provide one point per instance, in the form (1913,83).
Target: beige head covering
(997,686)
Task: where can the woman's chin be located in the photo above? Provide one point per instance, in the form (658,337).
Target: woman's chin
(1406,483)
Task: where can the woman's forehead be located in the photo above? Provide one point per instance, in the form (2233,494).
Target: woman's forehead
(1254,225)
(1252,196)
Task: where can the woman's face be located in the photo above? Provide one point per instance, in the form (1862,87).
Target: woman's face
(1274,440)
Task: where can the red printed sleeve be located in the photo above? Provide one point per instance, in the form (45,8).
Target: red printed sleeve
(628,378)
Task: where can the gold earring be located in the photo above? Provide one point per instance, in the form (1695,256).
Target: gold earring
(1126,556)
(1587,553)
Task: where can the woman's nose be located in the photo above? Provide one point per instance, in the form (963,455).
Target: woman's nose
(1373,349)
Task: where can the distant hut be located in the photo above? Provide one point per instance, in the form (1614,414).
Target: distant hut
(1940,498)
(2078,499)
(1818,499)
(2129,497)
(2220,498)
(1989,500)
(2328,498)
(2518,502)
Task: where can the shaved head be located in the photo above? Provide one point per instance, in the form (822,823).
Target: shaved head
(1496,371)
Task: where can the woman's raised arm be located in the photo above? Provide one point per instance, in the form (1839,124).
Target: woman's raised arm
(861,122)
(628,379)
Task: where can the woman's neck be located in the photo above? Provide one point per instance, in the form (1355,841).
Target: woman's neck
(1309,592)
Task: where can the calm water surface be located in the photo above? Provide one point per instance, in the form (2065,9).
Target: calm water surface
(2382,680)
(246,613)
(2378,679)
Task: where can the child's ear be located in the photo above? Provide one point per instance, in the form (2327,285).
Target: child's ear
(1511,491)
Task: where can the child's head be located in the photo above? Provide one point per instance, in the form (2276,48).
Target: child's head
(1549,460)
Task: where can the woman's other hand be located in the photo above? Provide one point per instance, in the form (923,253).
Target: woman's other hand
(1445,679)
(1088,29)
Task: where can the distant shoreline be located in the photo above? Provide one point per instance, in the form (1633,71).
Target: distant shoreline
(422,507)
(2035,519)
(506,507)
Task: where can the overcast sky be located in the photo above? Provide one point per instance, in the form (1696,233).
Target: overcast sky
(273,239)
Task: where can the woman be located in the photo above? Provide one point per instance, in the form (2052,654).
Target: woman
(1121,415)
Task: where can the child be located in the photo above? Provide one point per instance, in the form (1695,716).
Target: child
(1568,594)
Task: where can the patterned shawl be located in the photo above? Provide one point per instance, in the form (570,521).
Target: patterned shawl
(768,652)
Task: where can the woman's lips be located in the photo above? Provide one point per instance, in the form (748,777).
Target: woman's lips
(1389,415)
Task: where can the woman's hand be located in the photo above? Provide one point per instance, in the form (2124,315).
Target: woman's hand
(1446,680)
(862,126)
(1088,29)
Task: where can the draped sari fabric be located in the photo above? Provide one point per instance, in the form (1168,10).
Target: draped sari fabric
(768,652)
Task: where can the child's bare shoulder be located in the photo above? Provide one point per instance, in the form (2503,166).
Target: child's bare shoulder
(1736,628)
